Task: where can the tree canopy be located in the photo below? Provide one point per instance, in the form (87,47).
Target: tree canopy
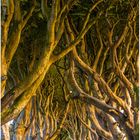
(70,70)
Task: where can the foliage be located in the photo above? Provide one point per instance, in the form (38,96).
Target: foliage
(70,69)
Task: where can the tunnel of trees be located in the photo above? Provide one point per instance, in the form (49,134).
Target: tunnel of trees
(69,70)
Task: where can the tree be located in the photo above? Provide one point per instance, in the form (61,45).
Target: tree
(70,69)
